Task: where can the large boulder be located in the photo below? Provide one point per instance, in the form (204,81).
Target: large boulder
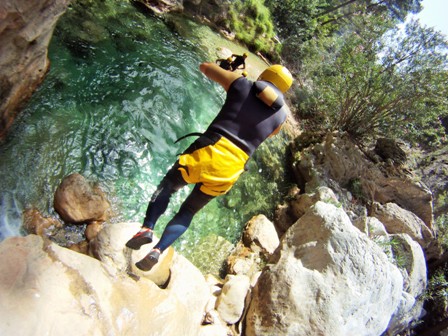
(399,220)
(337,161)
(326,278)
(409,255)
(26,27)
(46,289)
(230,304)
(258,243)
(78,201)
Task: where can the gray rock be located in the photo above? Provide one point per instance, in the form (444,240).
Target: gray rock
(230,304)
(327,278)
(399,220)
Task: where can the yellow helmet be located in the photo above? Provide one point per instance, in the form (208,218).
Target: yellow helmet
(245,55)
(277,75)
(244,73)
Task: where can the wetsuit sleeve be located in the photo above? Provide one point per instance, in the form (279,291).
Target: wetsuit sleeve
(216,73)
(276,131)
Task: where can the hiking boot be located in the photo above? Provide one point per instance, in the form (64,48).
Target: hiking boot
(144,236)
(149,261)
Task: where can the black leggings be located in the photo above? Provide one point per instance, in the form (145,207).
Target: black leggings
(171,183)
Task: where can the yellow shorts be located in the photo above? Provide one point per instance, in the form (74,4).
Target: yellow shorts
(217,167)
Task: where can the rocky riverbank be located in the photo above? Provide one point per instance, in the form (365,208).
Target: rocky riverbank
(326,264)
(345,255)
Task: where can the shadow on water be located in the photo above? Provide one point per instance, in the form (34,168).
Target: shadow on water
(122,88)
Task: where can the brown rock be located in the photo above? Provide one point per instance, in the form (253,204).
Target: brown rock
(260,235)
(388,149)
(92,230)
(76,201)
(398,220)
(26,28)
(35,223)
(81,247)
(339,160)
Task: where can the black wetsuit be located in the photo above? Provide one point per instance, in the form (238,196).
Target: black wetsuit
(245,120)
(225,64)
(239,60)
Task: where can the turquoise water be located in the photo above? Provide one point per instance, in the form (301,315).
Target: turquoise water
(123,86)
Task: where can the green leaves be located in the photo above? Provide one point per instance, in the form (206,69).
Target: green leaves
(251,21)
(371,80)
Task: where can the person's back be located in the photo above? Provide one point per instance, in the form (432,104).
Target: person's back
(238,61)
(225,64)
(245,118)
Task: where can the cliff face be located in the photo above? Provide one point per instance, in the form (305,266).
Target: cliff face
(26,27)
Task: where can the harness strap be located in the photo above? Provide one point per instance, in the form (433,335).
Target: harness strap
(188,135)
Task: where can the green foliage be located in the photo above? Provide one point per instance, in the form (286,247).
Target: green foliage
(355,188)
(372,80)
(295,18)
(393,248)
(437,293)
(251,21)
(396,9)
(442,234)
(298,21)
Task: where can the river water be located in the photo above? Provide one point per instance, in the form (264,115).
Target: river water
(123,86)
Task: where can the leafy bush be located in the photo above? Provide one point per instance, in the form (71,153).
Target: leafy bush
(251,21)
(374,80)
(436,296)
(296,18)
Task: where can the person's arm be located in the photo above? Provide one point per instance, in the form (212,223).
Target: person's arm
(217,74)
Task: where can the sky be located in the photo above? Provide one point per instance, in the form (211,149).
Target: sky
(434,14)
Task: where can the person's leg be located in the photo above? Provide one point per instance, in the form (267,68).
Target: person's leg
(176,227)
(181,221)
(171,183)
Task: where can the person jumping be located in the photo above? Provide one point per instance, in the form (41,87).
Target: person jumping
(252,112)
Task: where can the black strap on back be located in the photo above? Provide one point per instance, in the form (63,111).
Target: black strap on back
(188,135)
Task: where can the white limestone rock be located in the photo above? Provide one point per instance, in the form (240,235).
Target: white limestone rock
(49,290)
(327,279)
(230,304)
